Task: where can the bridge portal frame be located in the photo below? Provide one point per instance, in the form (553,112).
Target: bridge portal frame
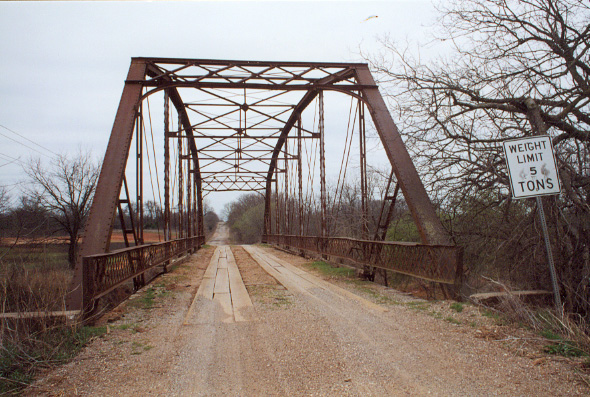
(170,75)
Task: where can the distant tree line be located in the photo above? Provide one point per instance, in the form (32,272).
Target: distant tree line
(245,218)
(56,199)
(153,217)
(344,215)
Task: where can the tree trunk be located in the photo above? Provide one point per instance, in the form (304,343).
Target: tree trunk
(72,249)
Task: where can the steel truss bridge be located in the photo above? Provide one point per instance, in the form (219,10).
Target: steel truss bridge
(241,126)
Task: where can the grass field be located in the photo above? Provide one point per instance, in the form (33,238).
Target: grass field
(33,277)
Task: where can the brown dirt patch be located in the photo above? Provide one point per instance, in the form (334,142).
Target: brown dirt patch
(149,236)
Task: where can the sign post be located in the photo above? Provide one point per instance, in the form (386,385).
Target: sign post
(533,173)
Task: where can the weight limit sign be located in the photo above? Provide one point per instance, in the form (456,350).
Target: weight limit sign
(531,167)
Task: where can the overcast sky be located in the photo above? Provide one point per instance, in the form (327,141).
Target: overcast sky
(63,65)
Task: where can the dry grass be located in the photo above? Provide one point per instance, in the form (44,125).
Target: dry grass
(24,289)
(566,335)
(34,279)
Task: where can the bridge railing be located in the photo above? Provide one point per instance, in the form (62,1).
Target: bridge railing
(104,272)
(439,263)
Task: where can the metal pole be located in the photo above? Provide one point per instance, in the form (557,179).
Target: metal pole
(200,215)
(267,209)
(166,167)
(324,230)
(286,193)
(180,231)
(539,127)
(363,166)
(277,211)
(300,176)
(194,198)
(189,195)
(139,175)
(556,295)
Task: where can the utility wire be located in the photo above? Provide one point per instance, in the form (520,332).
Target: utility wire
(13,158)
(9,162)
(27,139)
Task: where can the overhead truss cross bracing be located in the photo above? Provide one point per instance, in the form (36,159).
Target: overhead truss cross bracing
(227,124)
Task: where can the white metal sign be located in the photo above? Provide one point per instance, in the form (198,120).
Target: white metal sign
(531,166)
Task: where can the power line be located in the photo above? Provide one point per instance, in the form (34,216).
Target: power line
(13,158)
(33,142)
(9,162)
(24,137)
(27,146)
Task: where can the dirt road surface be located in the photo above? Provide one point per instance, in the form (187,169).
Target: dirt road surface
(220,236)
(250,321)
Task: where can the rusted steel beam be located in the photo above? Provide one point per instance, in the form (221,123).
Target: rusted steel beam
(189,195)
(323,193)
(299,177)
(286,194)
(180,231)
(385,215)
(363,171)
(97,231)
(254,137)
(167,220)
(277,206)
(139,174)
(252,86)
(220,62)
(429,225)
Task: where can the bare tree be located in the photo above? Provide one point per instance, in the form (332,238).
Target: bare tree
(153,215)
(4,208)
(455,111)
(4,200)
(65,189)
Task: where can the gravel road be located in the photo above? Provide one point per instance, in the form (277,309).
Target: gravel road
(301,335)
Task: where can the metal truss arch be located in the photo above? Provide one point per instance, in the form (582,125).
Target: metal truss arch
(235,118)
(176,100)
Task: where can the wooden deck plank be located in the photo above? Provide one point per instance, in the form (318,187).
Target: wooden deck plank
(198,309)
(212,268)
(221,282)
(226,313)
(241,302)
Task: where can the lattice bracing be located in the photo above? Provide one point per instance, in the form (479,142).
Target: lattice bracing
(239,126)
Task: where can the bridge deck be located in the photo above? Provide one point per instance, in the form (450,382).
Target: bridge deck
(222,294)
(303,336)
